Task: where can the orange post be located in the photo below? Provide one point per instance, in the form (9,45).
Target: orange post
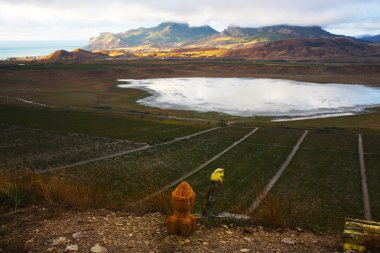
(182,222)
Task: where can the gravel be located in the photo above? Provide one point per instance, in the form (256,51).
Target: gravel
(43,230)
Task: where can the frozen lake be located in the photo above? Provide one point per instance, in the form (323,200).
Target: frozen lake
(255,96)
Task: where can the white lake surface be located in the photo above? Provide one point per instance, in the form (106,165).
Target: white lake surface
(255,96)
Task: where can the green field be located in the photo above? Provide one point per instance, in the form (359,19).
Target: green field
(139,128)
(39,149)
(318,190)
(322,185)
(248,167)
(130,176)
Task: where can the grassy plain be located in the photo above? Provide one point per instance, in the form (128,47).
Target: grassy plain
(37,149)
(133,127)
(128,177)
(322,185)
(318,190)
(248,167)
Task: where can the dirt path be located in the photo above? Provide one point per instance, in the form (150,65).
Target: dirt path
(26,101)
(367,205)
(124,152)
(178,180)
(277,176)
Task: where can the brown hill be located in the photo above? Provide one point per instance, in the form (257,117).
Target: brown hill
(76,54)
(309,48)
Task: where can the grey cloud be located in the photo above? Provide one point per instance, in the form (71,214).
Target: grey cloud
(347,16)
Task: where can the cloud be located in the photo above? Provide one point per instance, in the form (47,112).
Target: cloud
(80,19)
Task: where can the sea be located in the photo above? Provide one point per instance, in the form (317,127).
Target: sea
(9,49)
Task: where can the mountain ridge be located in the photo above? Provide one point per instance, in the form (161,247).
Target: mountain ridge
(164,35)
(287,31)
(171,34)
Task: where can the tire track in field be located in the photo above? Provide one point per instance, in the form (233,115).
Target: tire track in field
(125,152)
(27,101)
(366,202)
(277,176)
(178,180)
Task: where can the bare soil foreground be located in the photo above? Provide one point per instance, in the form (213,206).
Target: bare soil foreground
(43,230)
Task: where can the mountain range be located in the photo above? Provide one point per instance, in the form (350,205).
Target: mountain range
(164,35)
(370,38)
(178,40)
(169,35)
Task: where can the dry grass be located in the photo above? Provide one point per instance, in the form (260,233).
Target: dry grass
(288,209)
(31,188)
(159,203)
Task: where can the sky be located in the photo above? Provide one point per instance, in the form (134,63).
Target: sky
(82,19)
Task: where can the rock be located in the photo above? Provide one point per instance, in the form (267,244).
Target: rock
(233,216)
(248,239)
(288,241)
(229,232)
(187,241)
(29,241)
(245,250)
(247,231)
(78,235)
(71,248)
(59,240)
(99,249)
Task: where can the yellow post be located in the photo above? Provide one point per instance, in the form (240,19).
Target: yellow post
(216,181)
(359,235)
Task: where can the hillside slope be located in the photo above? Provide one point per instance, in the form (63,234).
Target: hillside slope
(322,48)
(76,54)
(164,35)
